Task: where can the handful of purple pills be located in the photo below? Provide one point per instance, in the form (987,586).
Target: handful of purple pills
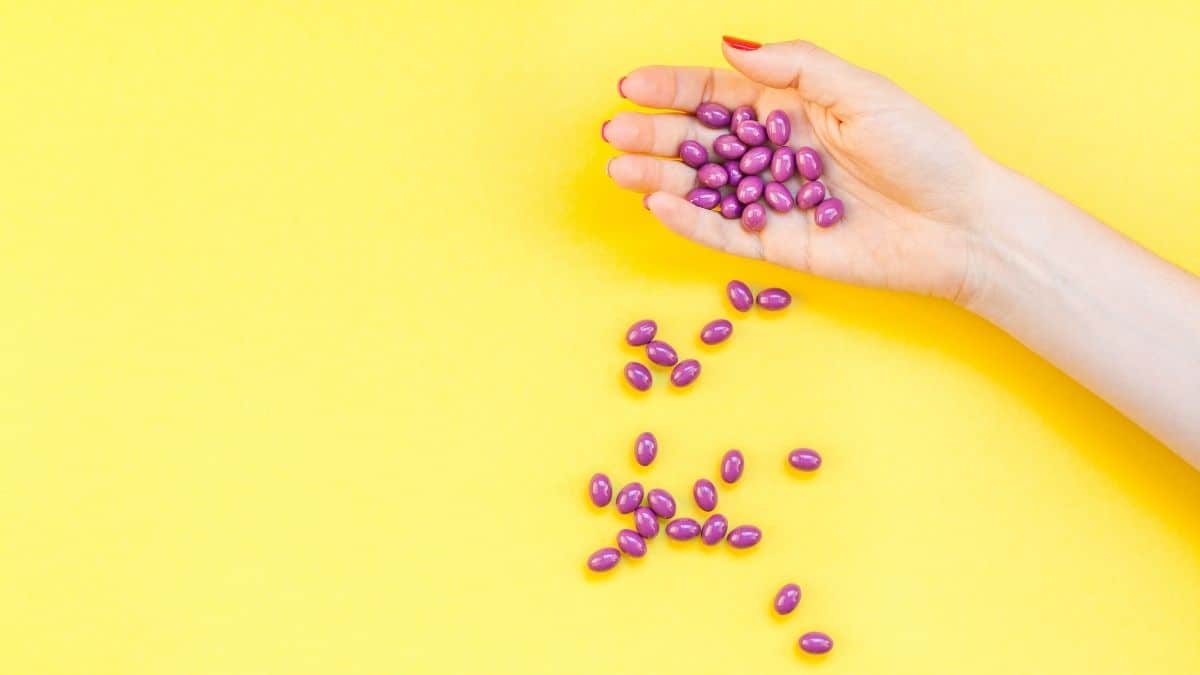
(753,165)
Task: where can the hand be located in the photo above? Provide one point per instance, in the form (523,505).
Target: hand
(909,179)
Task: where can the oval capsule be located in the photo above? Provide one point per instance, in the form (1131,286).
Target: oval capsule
(661,353)
(705,198)
(682,529)
(816,642)
(645,448)
(750,189)
(744,536)
(779,127)
(638,376)
(778,197)
(735,174)
(805,459)
(630,497)
(774,299)
(645,522)
(741,114)
(732,466)
(783,164)
(810,194)
(787,598)
(685,372)
(714,529)
(716,331)
(661,503)
(604,559)
(751,133)
(600,490)
(693,154)
(727,146)
(731,207)
(712,175)
(754,161)
(808,163)
(631,543)
(829,212)
(713,115)
(641,332)
(739,295)
(705,494)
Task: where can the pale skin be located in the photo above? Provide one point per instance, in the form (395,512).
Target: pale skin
(928,212)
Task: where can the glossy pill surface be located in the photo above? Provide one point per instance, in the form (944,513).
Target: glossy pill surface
(805,459)
(661,503)
(783,164)
(754,161)
(645,448)
(728,146)
(683,529)
(631,543)
(600,490)
(712,175)
(713,115)
(604,559)
(705,494)
(810,194)
(716,331)
(779,127)
(645,522)
(739,295)
(751,133)
(731,208)
(778,197)
(630,497)
(744,536)
(732,466)
(693,154)
(661,353)
(705,198)
(808,163)
(741,114)
(774,299)
(714,529)
(735,174)
(787,598)
(829,212)
(816,643)
(685,372)
(641,332)
(638,376)
(750,189)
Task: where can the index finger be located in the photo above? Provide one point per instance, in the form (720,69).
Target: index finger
(686,87)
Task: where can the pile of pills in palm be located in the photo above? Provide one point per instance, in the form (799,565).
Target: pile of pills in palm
(748,169)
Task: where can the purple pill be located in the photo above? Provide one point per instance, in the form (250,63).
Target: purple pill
(810,194)
(645,522)
(604,559)
(735,174)
(693,154)
(641,332)
(645,448)
(786,599)
(804,459)
(631,543)
(661,503)
(750,189)
(751,133)
(739,295)
(705,198)
(638,376)
(716,331)
(744,536)
(714,529)
(731,208)
(779,127)
(808,163)
(713,175)
(829,212)
(741,114)
(727,146)
(713,115)
(816,643)
(685,372)
(629,498)
(600,490)
(661,353)
(682,529)
(754,217)
(755,160)
(732,466)
(774,299)
(783,164)
(705,494)
(778,197)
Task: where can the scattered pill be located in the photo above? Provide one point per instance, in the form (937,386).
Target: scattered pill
(631,543)
(741,114)
(714,529)
(751,133)
(705,494)
(750,189)
(645,522)
(683,529)
(783,164)
(805,459)
(713,115)
(739,296)
(774,299)
(685,372)
(713,175)
(731,207)
(735,174)
(645,448)
(641,332)
(808,163)
(716,331)
(693,154)
(661,353)
(754,217)
(732,466)
(810,194)
(786,599)
(638,376)
(705,198)
(725,145)
(779,127)
(630,497)
(661,503)
(778,197)
(829,212)
(604,559)
(755,160)
(600,490)
(816,643)
(744,536)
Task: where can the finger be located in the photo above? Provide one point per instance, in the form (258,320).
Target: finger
(650,174)
(818,75)
(703,226)
(684,88)
(656,134)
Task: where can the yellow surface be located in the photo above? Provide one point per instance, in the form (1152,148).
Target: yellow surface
(310,338)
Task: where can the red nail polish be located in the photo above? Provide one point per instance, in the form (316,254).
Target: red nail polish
(619,83)
(740,44)
(602,127)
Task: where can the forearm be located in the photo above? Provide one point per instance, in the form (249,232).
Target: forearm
(1112,315)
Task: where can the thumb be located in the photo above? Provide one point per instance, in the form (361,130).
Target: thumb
(818,75)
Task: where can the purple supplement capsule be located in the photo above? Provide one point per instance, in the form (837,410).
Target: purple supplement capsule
(744,536)
(641,332)
(600,490)
(713,115)
(786,599)
(705,198)
(714,529)
(727,146)
(645,448)
(751,133)
(638,376)
(735,174)
(754,217)
(739,295)
(778,197)
(661,353)
(631,543)
(829,212)
(750,189)
(804,459)
(705,494)
(755,160)
(783,164)
(731,208)
(732,466)
(682,529)
(816,643)
(713,175)
(685,372)
(645,522)
(741,114)
(629,498)
(661,503)
(693,154)
(716,331)
(774,299)
(808,163)
(810,194)
(603,560)
(779,127)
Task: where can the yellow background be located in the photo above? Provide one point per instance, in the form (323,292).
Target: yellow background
(310,320)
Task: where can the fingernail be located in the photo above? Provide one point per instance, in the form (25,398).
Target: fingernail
(602,127)
(740,44)
(619,83)
(646,201)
